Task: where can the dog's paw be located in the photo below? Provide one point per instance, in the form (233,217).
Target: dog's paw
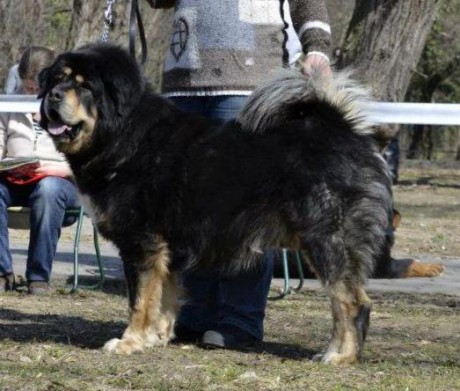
(122,346)
(318,357)
(335,358)
(418,269)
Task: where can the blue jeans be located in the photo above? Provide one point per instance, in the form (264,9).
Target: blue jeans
(215,302)
(47,200)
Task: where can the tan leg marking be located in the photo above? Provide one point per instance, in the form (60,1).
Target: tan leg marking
(152,318)
(347,301)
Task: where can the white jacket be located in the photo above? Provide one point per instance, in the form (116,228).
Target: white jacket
(18,139)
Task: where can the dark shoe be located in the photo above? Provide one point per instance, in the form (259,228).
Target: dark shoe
(39,288)
(7,283)
(184,334)
(228,337)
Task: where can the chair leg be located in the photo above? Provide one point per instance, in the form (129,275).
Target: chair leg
(76,246)
(287,288)
(100,262)
(300,270)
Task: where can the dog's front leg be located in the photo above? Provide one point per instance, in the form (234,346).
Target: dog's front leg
(152,291)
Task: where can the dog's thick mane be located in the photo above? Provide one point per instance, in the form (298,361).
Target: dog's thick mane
(267,107)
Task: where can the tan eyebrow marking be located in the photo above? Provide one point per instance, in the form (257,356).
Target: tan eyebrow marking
(79,79)
(67,71)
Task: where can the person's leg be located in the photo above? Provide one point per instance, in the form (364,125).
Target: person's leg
(6,265)
(48,201)
(230,310)
(199,311)
(242,298)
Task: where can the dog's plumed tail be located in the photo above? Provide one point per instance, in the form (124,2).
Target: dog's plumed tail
(271,104)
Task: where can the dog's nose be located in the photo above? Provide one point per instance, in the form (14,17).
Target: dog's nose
(56,95)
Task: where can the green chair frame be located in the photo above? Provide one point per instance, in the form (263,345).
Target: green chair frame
(18,218)
(287,288)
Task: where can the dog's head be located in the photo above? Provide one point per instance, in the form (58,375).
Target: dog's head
(87,94)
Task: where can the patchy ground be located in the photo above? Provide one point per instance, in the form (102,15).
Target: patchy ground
(428,196)
(53,343)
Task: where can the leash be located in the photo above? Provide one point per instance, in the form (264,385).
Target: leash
(107,20)
(136,19)
(135,23)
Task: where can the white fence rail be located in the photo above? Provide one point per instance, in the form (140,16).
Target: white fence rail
(19,104)
(414,113)
(380,112)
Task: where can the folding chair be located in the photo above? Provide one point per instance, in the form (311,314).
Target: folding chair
(18,218)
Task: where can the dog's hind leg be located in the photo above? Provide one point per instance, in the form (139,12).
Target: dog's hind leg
(350,305)
(351,309)
(152,291)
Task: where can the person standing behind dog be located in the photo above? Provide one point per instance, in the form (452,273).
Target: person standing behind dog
(47,190)
(220,51)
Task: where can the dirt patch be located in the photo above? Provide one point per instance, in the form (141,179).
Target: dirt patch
(53,343)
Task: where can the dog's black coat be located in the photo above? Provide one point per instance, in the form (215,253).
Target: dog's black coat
(221,193)
(207,186)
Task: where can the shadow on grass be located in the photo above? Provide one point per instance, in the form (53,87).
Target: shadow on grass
(69,330)
(284,351)
(87,334)
(287,351)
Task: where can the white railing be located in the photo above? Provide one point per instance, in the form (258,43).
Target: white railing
(19,104)
(414,113)
(379,112)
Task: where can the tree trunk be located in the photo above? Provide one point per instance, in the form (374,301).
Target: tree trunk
(384,42)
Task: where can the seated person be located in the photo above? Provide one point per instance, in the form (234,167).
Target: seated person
(48,191)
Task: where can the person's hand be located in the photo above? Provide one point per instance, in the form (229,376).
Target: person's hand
(53,169)
(316,63)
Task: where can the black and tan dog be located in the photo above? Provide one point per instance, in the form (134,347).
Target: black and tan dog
(172,190)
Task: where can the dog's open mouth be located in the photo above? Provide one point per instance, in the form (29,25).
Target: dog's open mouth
(59,129)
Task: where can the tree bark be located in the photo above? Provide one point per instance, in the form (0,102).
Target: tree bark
(384,42)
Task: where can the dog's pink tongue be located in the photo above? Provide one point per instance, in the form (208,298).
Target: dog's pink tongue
(56,129)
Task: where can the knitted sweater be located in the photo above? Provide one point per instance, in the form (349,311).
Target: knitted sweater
(227,47)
